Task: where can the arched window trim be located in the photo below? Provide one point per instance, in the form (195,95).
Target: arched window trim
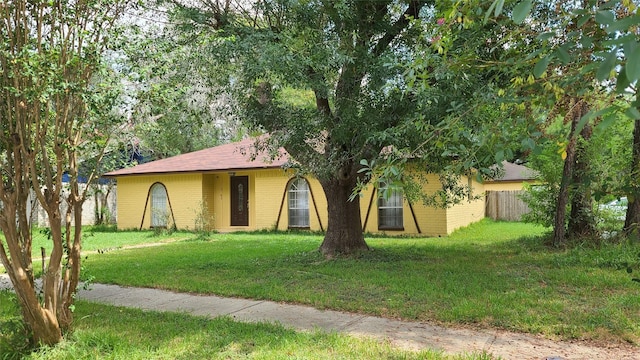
(158,220)
(298,204)
(146,206)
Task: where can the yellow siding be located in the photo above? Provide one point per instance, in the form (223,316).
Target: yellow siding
(208,200)
(468,211)
(431,221)
(266,191)
(184,193)
(321,217)
(219,202)
(268,198)
(270,190)
(131,196)
(369,209)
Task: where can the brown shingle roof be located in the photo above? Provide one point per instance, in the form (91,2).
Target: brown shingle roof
(515,172)
(234,156)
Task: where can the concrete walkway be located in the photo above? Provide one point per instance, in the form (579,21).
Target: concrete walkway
(409,335)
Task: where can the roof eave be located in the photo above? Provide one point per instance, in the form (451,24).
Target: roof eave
(209,171)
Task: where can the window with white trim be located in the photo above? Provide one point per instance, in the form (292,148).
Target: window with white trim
(390,209)
(299,203)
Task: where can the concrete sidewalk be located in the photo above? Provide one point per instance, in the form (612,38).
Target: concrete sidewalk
(409,335)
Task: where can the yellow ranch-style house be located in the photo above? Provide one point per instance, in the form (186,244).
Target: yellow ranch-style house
(224,189)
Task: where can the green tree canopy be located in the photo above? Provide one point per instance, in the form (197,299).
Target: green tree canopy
(583,60)
(334,83)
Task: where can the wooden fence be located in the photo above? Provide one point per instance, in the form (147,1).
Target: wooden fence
(505,205)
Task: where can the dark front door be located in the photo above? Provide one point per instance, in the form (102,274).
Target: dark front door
(239,201)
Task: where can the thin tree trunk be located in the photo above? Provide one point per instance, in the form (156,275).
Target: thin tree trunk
(41,137)
(344,230)
(97,210)
(40,320)
(51,275)
(71,275)
(632,219)
(43,324)
(559,227)
(581,220)
(559,223)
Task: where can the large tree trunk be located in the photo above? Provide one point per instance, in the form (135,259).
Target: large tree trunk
(344,230)
(632,219)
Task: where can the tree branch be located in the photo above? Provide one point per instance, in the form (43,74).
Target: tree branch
(322,104)
(403,21)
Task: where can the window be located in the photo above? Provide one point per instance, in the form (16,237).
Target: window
(299,203)
(159,213)
(390,210)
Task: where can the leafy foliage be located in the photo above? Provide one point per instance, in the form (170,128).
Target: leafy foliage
(173,107)
(58,102)
(574,59)
(608,153)
(339,82)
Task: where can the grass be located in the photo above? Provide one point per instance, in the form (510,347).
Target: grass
(496,275)
(107,332)
(106,239)
(103,239)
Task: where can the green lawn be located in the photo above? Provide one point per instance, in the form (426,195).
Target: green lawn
(487,275)
(104,239)
(96,238)
(107,332)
